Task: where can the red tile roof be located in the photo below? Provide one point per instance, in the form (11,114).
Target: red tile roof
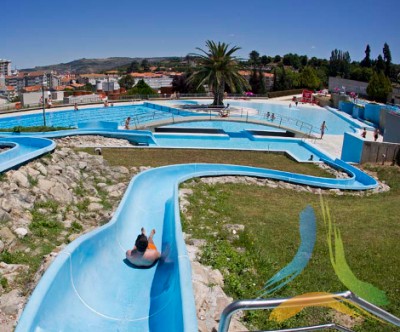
(33,88)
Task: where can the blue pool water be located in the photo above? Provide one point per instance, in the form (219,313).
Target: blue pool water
(226,126)
(295,147)
(312,115)
(71,118)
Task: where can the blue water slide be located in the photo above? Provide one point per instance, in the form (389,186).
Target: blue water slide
(23,149)
(133,136)
(89,286)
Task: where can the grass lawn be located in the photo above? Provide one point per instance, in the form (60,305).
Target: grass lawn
(161,157)
(369,226)
(370,230)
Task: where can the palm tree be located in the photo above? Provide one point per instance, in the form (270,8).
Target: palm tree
(217,68)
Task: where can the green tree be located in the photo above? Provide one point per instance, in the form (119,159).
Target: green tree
(339,64)
(141,88)
(362,74)
(254,59)
(262,88)
(277,58)
(366,62)
(265,60)
(380,64)
(126,82)
(145,65)
(218,67)
(379,87)
(309,78)
(181,84)
(133,67)
(387,57)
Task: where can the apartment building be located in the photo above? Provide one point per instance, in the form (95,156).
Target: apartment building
(5,67)
(24,80)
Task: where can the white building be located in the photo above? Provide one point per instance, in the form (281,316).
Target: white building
(5,67)
(107,85)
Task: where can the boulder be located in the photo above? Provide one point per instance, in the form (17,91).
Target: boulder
(20,179)
(7,236)
(93,207)
(21,232)
(4,216)
(45,185)
(2,246)
(40,167)
(61,194)
(10,302)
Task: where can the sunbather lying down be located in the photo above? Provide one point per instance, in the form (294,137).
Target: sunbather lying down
(145,252)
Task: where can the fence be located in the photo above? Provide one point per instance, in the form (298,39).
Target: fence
(378,152)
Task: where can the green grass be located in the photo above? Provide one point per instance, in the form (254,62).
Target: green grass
(162,157)
(20,129)
(369,227)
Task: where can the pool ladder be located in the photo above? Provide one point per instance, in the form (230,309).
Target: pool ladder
(259,304)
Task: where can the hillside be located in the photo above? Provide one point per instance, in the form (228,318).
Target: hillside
(92,65)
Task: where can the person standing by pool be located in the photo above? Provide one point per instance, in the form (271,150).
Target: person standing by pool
(323,128)
(364,133)
(145,252)
(76,107)
(127,122)
(376,134)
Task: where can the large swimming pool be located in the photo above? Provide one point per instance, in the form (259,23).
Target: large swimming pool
(310,114)
(71,118)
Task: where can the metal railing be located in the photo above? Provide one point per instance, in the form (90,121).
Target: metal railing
(161,113)
(258,304)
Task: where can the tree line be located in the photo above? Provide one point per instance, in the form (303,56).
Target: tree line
(290,71)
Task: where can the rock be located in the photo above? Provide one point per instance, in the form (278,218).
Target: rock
(5,205)
(200,273)
(4,216)
(19,178)
(95,207)
(40,167)
(2,245)
(7,236)
(61,194)
(21,232)
(215,277)
(45,185)
(32,172)
(82,165)
(10,302)
(121,170)
(234,228)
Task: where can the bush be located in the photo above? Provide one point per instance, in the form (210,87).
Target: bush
(379,87)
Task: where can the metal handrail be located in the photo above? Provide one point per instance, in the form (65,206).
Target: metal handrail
(257,304)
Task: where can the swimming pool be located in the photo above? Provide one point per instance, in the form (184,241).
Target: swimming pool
(70,118)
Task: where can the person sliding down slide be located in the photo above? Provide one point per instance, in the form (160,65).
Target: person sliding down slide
(145,252)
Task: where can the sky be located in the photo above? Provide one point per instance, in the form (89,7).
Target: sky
(44,32)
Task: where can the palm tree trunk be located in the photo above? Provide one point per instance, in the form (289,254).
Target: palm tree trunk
(219,95)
